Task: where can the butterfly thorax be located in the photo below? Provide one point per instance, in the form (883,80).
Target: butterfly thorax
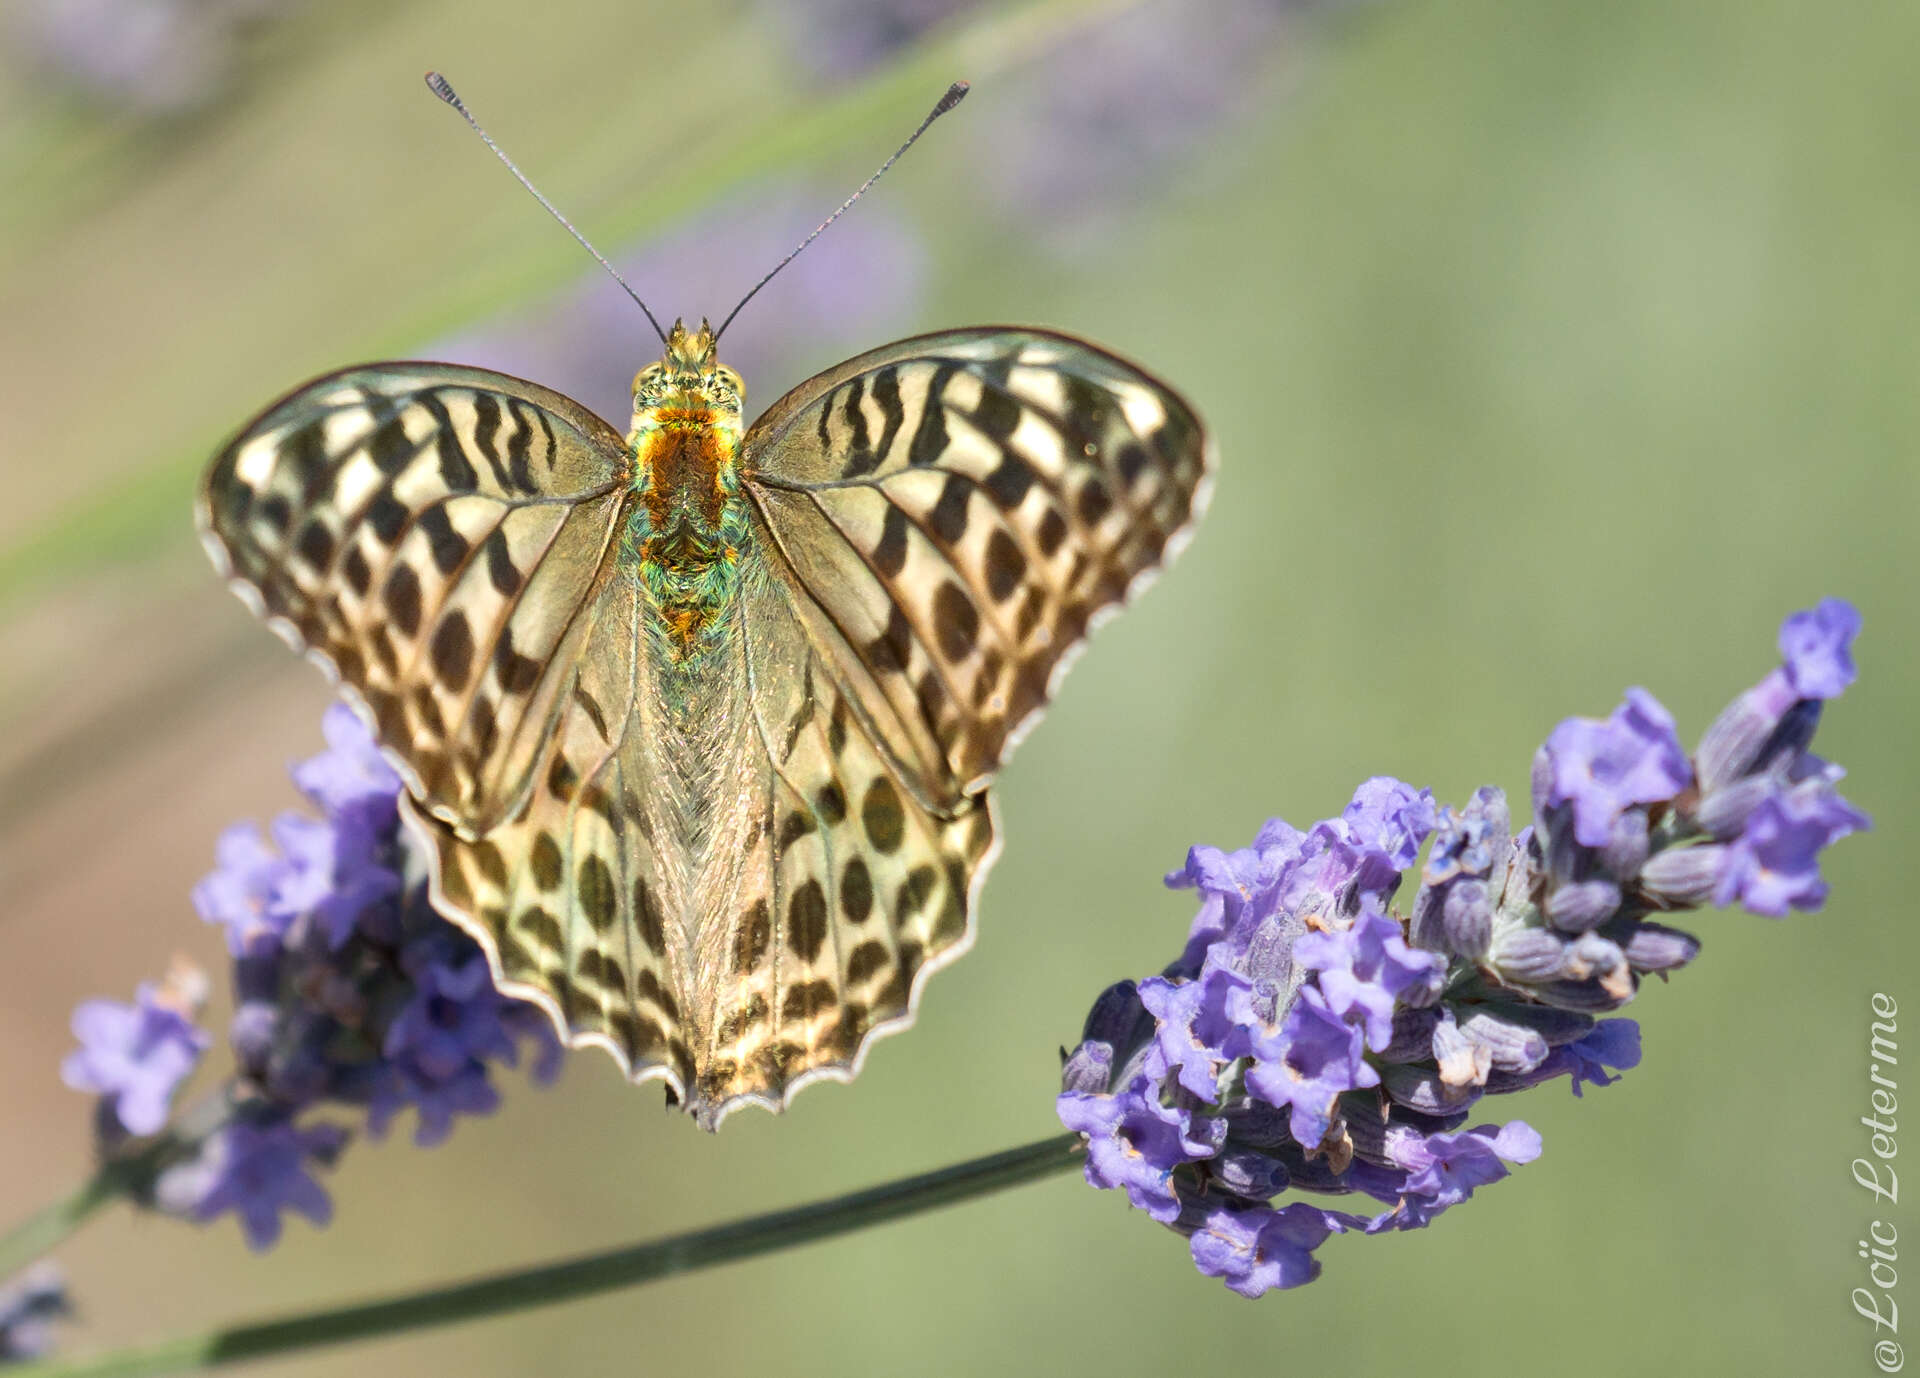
(688,527)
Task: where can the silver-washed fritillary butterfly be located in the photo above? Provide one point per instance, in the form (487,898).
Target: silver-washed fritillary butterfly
(700,721)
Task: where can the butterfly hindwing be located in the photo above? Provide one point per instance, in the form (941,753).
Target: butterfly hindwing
(848,888)
(960,509)
(573,893)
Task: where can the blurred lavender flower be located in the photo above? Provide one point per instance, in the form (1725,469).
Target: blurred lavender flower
(1067,141)
(29,1304)
(1072,140)
(156,57)
(349,990)
(853,288)
(257,1171)
(1309,1038)
(134,1057)
(838,40)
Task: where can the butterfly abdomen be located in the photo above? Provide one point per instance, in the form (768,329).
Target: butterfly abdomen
(688,530)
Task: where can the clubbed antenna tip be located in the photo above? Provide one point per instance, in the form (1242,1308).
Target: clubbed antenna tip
(955,94)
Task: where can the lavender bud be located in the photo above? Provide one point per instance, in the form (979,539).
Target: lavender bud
(1269,956)
(1252,1175)
(1793,736)
(1734,746)
(1424,1090)
(1683,877)
(1655,947)
(1722,813)
(1627,849)
(1455,918)
(1118,1019)
(1594,975)
(1583,905)
(1462,1061)
(1510,1047)
(1412,1039)
(1540,784)
(1089,1068)
(1528,955)
(1557,1027)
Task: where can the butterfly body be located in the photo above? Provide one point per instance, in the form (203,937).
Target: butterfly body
(698,723)
(689,528)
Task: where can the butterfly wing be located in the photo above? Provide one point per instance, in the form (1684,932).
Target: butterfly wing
(442,540)
(842,889)
(432,533)
(961,510)
(941,523)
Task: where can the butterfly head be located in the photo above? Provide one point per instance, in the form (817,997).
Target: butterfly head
(689,386)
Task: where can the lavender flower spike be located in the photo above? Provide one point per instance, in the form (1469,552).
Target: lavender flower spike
(349,992)
(1311,1038)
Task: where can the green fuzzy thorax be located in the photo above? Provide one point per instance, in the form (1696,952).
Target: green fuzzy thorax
(687,531)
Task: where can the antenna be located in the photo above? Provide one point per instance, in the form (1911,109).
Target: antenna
(955,94)
(443,89)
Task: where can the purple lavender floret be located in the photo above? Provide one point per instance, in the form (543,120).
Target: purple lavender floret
(1315,1058)
(134,1057)
(1312,1039)
(1602,769)
(1444,1169)
(1197,1028)
(1817,648)
(1366,970)
(1229,882)
(29,1304)
(1255,1250)
(260,1171)
(1067,144)
(1134,1142)
(351,774)
(238,894)
(1775,864)
(1391,817)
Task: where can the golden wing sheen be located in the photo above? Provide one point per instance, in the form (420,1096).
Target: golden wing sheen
(700,724)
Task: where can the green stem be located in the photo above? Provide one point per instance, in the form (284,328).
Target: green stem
(132,1174)
(586,1276)
(40,1232)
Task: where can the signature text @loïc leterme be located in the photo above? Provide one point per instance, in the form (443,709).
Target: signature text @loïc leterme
(1877,1174)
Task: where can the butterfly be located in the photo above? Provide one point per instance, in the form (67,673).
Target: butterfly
(698,722)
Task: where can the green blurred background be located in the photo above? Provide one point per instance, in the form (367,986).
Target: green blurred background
(1550,349)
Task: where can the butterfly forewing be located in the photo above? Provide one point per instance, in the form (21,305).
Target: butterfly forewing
(960,509)
(434,533)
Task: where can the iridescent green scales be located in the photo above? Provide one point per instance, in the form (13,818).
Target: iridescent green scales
(699,723)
